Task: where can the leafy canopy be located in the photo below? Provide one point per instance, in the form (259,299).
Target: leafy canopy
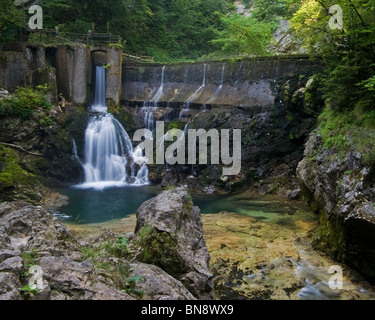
(349,53)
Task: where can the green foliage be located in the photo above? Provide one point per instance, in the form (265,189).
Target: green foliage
(340,130)
(12,175)
(11,18)
(45,121)
(349,54)
(29,257)
(131,285)
(166,29)
(118,248)
(271,10)
(243,35)
(176,124)
(27,291)
(24,102)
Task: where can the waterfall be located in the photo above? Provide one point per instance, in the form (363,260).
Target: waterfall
(218,91)
(149,107)
(100,94)
(109,156)
(199,89)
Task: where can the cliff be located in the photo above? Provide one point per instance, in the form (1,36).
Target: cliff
(341,190)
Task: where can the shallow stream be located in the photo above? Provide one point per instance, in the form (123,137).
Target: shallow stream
(260,246)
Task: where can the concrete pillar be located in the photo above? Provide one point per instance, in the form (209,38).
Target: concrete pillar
(114,75)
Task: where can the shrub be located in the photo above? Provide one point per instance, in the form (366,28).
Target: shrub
(24,102)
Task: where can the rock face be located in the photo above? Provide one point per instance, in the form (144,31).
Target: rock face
(342,191)
(169,234)
(92,270)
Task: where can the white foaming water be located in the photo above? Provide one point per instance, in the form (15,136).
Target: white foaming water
(100,94)
(219,89)
(110,160)
(149,107)
(195,94)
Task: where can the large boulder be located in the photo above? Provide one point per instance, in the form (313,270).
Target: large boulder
(71,270)
(169,234)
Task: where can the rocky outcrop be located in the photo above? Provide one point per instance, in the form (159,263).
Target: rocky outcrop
(169,234)
(167,259)
(341,190)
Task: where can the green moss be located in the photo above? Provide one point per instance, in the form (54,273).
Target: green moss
(12,175)
(329,237)
(24,102)
(159,248)
(176,124)
(347,130)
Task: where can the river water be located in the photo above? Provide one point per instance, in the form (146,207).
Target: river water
(260,246)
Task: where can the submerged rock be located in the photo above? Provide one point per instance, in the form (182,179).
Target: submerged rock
(170,235)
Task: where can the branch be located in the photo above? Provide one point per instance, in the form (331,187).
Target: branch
(21,149)
(356,11)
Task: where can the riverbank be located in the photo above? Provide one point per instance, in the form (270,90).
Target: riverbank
(261,258)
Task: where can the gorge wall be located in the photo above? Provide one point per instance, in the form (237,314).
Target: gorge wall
(273,100)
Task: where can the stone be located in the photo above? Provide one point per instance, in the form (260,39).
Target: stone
(9,286)
(29,235)
(338,189)
(14,265)
(295,194)
(169,234)
(159,285)
(5,254)
(4,93)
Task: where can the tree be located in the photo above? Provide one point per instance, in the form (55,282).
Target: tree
(349,52)
(243,35)
(11,18)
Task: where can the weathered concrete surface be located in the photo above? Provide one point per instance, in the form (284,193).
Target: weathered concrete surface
(67,70)
(114,75)
(73,64)
(246,83)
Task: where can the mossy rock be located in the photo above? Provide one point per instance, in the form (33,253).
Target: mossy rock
(160,249)
(16,183)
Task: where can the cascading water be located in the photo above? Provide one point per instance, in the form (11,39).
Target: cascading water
(149,107)
(100,94)
(195,94)
(219,89)
(109,156)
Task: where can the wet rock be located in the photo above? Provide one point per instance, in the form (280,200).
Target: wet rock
(294,195)
(339,190)
(4,93)
(171,178)
(170,235)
